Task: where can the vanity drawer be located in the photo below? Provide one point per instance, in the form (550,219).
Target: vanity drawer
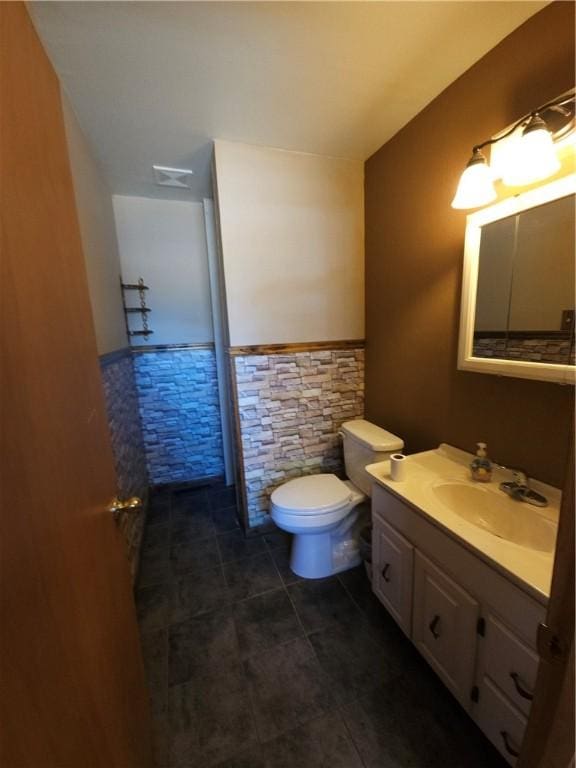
(393,558)
(510,663)
(502,723)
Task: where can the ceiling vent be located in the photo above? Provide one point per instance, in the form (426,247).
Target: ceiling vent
(173,177)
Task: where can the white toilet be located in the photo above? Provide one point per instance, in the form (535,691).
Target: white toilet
(321,510)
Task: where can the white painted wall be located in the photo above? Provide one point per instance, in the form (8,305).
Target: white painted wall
(292,230)
(164,241)
(98,232)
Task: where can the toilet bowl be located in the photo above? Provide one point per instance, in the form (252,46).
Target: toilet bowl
(324,513)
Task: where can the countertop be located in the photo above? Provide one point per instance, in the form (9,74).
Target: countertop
(531,570)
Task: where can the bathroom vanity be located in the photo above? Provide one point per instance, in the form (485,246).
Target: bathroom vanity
(465,571)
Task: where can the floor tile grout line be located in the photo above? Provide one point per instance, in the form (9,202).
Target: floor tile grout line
(256,594)
(308,722)
(364,615)
(252,710)
(263,742)
(351,736)
(241,663)
(260,594)
(274,647)
(252,557)
(306,636)
(245,678)
(285,587)
(324,627)
(220,558)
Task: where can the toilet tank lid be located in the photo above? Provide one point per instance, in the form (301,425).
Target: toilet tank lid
(372,436)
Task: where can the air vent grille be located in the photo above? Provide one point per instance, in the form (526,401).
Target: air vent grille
(173,177)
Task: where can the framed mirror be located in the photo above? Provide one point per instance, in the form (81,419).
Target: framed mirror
(517,314)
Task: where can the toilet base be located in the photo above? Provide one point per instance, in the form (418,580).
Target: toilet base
(319,555)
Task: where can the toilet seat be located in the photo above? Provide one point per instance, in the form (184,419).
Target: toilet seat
(312,495)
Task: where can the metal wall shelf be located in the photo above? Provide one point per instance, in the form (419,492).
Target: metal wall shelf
(142,310)
(134,287)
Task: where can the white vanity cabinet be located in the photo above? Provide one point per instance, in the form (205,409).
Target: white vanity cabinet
(476,628)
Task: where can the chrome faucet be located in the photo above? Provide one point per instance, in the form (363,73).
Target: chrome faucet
(519,489)
(520,476)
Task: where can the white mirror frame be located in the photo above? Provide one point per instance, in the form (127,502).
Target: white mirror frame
(563,374)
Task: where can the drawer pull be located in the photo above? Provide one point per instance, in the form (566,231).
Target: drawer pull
(385,572)
(509,748)
(432,627)
(520,688)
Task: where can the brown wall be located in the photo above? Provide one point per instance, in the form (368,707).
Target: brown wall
(414,252)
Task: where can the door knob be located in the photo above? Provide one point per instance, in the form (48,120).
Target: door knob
(133,504)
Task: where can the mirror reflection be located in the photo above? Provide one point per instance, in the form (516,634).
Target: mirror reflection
(525,293)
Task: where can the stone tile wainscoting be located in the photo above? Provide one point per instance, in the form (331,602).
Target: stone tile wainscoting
(127,441)
(178,395)
(557,348)
(290,406)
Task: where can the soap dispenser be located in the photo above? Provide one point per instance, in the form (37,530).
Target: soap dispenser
(481,466)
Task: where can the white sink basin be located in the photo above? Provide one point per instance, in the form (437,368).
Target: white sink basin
(493,511)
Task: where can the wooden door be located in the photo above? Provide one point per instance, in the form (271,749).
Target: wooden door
(444,627)
(72,678)
(549,741)
(392,573)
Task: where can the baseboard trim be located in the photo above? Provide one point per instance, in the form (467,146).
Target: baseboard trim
(185,485)
(108,358)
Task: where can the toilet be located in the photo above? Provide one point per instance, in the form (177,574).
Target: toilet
(322,511)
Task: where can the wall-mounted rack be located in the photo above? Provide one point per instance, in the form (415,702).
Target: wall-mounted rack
(142,310)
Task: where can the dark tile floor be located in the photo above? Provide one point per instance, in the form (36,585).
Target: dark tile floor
(250,666)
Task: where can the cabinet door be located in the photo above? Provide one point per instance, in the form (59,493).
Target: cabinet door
(392,572)
(444,627)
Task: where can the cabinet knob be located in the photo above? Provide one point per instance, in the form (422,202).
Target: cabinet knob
(524,692)
(385,572)
(433,627)
(508,746)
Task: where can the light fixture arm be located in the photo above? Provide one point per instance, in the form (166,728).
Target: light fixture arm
(559,102)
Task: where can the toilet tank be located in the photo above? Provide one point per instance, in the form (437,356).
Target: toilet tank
(365,443)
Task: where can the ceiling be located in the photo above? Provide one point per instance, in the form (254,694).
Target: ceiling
(155,82)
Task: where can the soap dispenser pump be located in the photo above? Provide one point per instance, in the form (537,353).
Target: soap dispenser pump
(481,466)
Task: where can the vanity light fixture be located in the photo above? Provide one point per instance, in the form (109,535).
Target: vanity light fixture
(530,157)
(533,156)
(476,185)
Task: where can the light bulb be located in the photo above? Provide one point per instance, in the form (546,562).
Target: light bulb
(531,157)
(476,185)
